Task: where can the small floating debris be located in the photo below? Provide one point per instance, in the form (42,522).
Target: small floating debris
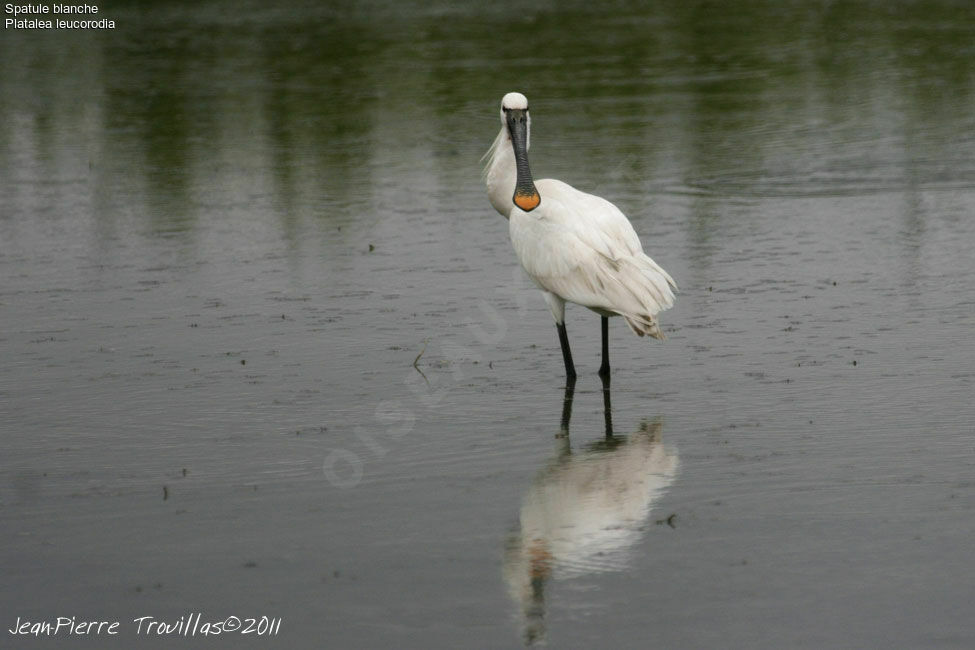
(669,520)
(415,361)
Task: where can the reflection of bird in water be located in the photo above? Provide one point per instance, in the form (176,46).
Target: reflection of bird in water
(575,246)
(585,511)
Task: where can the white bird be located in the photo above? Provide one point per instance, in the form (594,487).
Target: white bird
(575,246)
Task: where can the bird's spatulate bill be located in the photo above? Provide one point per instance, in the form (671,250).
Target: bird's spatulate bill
(526,196)
(527,202)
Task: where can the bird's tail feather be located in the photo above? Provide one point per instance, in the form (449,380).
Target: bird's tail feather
(645,325)
(645,290)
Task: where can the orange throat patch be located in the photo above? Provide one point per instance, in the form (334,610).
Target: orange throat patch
(527,201)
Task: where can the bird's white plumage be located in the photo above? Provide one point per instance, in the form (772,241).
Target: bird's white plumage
(514,101)
(578,247)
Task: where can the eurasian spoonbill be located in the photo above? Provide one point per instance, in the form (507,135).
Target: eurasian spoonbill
(575,246)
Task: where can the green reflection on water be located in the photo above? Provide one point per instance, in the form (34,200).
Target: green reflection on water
(306,110)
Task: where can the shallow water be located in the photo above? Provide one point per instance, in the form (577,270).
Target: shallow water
(267,352)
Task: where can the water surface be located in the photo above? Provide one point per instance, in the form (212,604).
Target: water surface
(229,231)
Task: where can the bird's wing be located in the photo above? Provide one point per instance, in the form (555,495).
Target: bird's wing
(571,253)
(597,221)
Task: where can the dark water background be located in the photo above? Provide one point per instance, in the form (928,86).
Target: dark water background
(228,229)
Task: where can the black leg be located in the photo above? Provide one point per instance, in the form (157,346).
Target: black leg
(570,387)
(604,368)
(607,407)
(570,369)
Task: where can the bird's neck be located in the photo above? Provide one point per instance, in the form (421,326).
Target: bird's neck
(501,173)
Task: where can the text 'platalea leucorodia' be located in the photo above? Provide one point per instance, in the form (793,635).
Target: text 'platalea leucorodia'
(575,246)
